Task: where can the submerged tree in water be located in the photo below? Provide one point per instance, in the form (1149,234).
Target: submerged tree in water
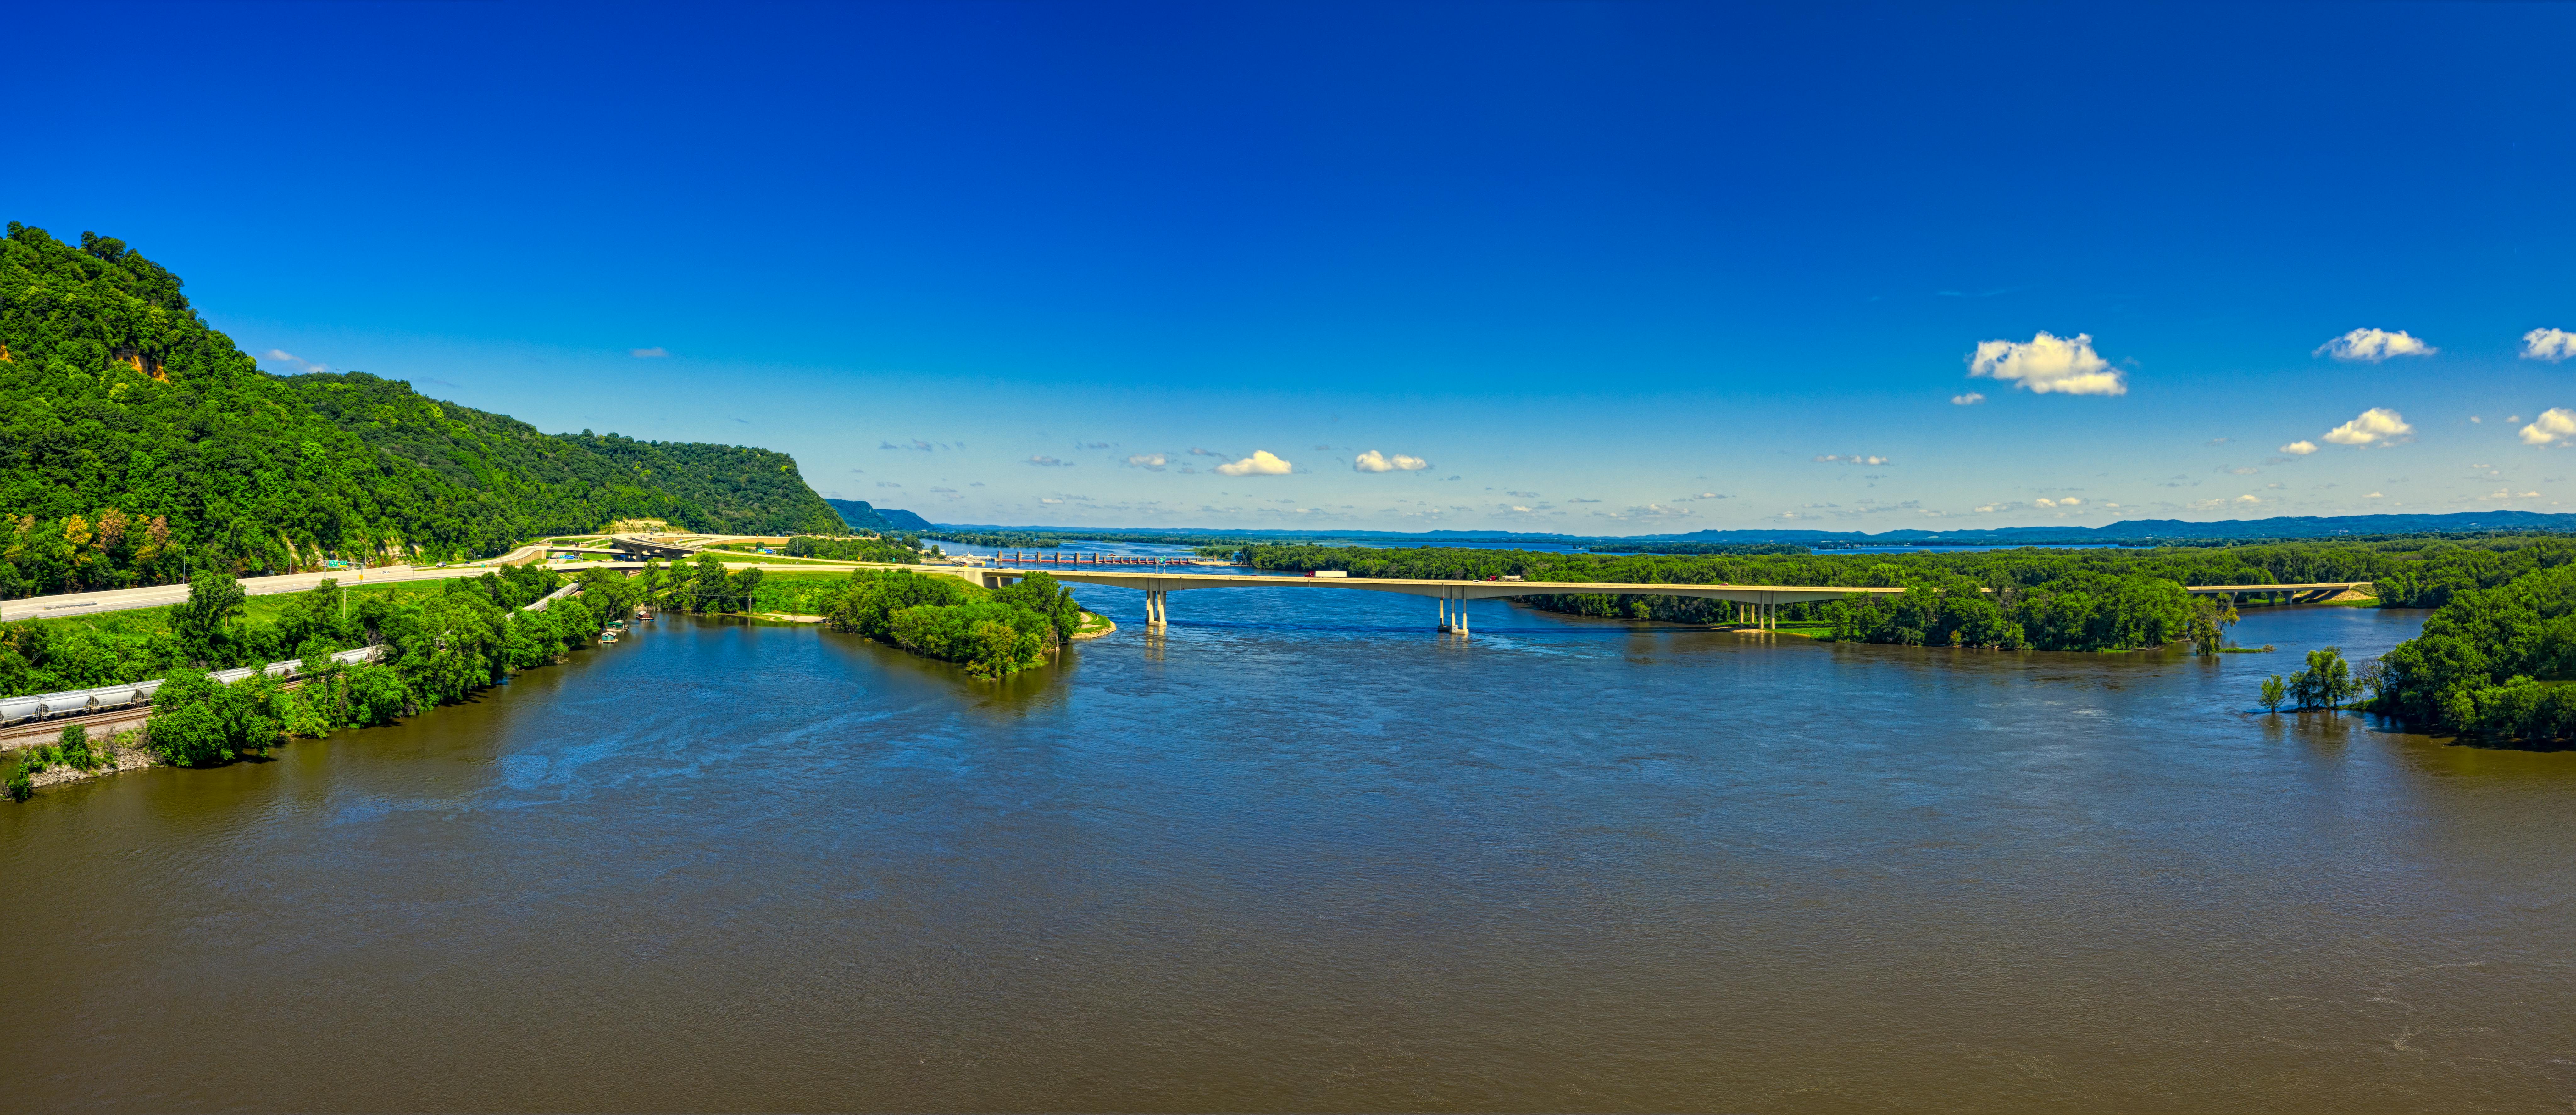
(2274,694)
(2326,683)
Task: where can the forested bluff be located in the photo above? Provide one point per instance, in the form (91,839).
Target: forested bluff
(138,445)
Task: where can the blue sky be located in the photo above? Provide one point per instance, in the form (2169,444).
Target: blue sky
(1605,269)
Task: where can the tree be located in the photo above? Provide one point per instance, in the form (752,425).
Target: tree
(202,621)
(188,725)
(2274,693)
(73,748)
(2325,683)
(2211,616)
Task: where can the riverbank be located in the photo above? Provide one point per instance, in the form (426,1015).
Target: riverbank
(121,752)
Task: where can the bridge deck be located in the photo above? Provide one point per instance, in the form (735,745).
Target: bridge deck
(1452,590)
(2338,586)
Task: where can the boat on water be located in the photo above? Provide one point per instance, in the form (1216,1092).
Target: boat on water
(608,636)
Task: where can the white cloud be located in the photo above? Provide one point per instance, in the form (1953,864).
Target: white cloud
(649,353)
(2374,495)
(1851,458)
(1150,461)
(2552,345)
(2554,424)
(2069,501)
(2300,448)
(2376,425)
(1374,461)
(282,356)
(1970,399)
(2045,363)
(2044,501)
(1052,499)
(2110,505)
(2374,345)
(2248,499)
(1262,462)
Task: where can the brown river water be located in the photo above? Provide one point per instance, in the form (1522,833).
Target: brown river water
(1302,853)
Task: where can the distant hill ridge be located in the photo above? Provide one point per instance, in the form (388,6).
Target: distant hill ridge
(860,516)
(2124,531)
(138,444)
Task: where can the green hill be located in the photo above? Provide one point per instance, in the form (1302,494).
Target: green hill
(886,520)
(136,444)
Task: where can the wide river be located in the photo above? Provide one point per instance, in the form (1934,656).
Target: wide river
(1304,853)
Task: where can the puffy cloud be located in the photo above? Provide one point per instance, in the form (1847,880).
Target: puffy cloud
(1851,458)
(1150,461)
(2044,501)
(2375,495)
(2247,499)
(1970,399)
(2300,448)
(2554,424)
(2552,345)
(1050,462)
(649,353)
(2374,345)
(1262,462)
(2045,363)
(1374,461)
(2378,425)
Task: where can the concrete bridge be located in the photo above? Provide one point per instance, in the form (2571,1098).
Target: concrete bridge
(2307,593)
(1757,605)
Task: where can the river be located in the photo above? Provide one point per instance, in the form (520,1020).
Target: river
(1303,853)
